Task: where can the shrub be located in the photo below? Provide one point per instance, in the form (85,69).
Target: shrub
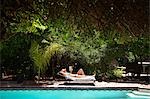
(118,72)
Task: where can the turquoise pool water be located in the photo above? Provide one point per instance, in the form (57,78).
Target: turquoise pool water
(64,94)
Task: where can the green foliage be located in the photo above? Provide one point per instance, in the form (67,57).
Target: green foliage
(139,48)
(53,29)
(51,50)
(15,55)
(118,72)
(41,57)
(36,55)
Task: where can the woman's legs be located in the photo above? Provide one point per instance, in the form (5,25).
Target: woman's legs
(80,72)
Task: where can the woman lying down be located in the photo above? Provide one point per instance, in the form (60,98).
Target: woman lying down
(79,74)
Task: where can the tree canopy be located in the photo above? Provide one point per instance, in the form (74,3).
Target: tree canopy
(122,15)
(91,32)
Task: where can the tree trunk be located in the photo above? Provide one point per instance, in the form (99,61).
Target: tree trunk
(38,76)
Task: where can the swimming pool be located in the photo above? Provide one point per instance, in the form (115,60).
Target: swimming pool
(65,94)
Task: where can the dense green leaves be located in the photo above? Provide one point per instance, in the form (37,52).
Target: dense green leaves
(53,28)
(41,57)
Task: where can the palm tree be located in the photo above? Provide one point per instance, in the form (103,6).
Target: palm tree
(41,57)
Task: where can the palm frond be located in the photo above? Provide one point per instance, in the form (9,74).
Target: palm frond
(36,56)
(50,51)
(41,57)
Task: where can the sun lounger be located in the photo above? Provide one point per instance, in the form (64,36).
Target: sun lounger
(7,77)
(85,78)
(68,76)
(42,81)
(130,75)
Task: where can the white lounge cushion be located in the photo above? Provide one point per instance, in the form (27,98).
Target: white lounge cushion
(85,78)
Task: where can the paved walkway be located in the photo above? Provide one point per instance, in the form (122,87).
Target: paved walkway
(103,84)
(59,84)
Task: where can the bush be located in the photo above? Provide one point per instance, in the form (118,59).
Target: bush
(118,73)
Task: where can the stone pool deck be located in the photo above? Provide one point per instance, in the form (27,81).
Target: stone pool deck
(60,84)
